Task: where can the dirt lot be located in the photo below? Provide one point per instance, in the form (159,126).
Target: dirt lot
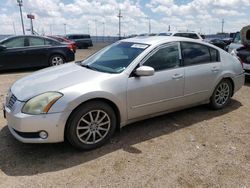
(197,147)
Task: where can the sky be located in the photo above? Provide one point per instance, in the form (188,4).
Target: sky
(53,17)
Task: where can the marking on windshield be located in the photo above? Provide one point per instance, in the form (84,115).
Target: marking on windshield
(141,46)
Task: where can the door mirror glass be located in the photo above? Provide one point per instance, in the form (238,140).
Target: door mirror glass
(2,47)
(144,71)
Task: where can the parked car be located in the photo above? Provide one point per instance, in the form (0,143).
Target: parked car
(219,43)
(189,34)
(64,40)
(81,41)
(240,48)
(33,51)
(236,43)
(130,80)
(164,34)
(227,40)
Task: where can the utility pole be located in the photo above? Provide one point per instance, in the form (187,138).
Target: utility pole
(65,32)
(95,27)
(222,25)
(119,16)
(20,4)
(169,28)
(88,28)
(149,25)
(103,31)
(14,27)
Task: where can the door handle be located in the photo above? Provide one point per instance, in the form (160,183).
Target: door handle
(177,76)
(215,69)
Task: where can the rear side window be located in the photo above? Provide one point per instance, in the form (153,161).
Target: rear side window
(51,42)
(36,41)
(164,58)
(196,53)
(15,42)
(214,55)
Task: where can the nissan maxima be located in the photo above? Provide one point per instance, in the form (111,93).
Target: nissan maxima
(130,80)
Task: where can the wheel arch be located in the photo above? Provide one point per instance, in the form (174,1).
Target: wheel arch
(232,83)
(107,101)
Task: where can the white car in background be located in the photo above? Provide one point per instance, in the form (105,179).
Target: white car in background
(187,34)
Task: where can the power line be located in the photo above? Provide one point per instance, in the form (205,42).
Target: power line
(20,4)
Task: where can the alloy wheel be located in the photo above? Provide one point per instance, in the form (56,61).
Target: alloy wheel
(93,126)
(222,93)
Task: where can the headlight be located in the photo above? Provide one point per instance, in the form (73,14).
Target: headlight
(41,103)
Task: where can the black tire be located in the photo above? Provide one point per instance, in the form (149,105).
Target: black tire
(82,112)
(58,57)
(221,97)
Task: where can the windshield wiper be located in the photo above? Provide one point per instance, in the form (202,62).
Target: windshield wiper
(89,67)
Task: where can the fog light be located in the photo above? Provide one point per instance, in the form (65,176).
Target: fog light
(43,134)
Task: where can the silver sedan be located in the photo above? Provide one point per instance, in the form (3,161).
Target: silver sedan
(130,80)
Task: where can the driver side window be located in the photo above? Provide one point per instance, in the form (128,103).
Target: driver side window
(164,58)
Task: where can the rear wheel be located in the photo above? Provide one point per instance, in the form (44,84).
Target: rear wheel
(56,60)
(221,95)
(91,125)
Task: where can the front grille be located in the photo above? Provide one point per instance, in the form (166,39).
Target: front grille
(27,134)
(11,102)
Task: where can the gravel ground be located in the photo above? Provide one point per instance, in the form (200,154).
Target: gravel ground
(196,147)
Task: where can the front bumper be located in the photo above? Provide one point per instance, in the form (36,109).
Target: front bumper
(26,128)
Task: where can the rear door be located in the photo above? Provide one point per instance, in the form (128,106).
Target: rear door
(37,52)
(15,55)
(202,69)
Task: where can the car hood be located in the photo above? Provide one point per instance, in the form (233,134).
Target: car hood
(53,79)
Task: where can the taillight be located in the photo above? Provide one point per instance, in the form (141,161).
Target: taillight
(70,46)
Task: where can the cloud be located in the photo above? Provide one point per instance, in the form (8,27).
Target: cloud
(83,16)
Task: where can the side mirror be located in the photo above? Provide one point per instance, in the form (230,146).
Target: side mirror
(144,71)
(2,47)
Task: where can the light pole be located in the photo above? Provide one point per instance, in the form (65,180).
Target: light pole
(119,16)
(65,28)
(20,4)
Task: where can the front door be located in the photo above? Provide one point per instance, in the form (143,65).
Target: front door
(162,91)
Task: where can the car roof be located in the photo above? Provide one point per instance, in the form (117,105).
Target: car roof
(151,40)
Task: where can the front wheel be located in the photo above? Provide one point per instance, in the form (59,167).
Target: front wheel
(91,125)
(221,95)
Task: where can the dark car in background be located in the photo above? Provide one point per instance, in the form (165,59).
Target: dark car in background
(81,40)
(64,40)
(219,43)
(33,51)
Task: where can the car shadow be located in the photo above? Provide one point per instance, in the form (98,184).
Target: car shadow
(18,159)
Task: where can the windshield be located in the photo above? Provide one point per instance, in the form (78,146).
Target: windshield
(114,58)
